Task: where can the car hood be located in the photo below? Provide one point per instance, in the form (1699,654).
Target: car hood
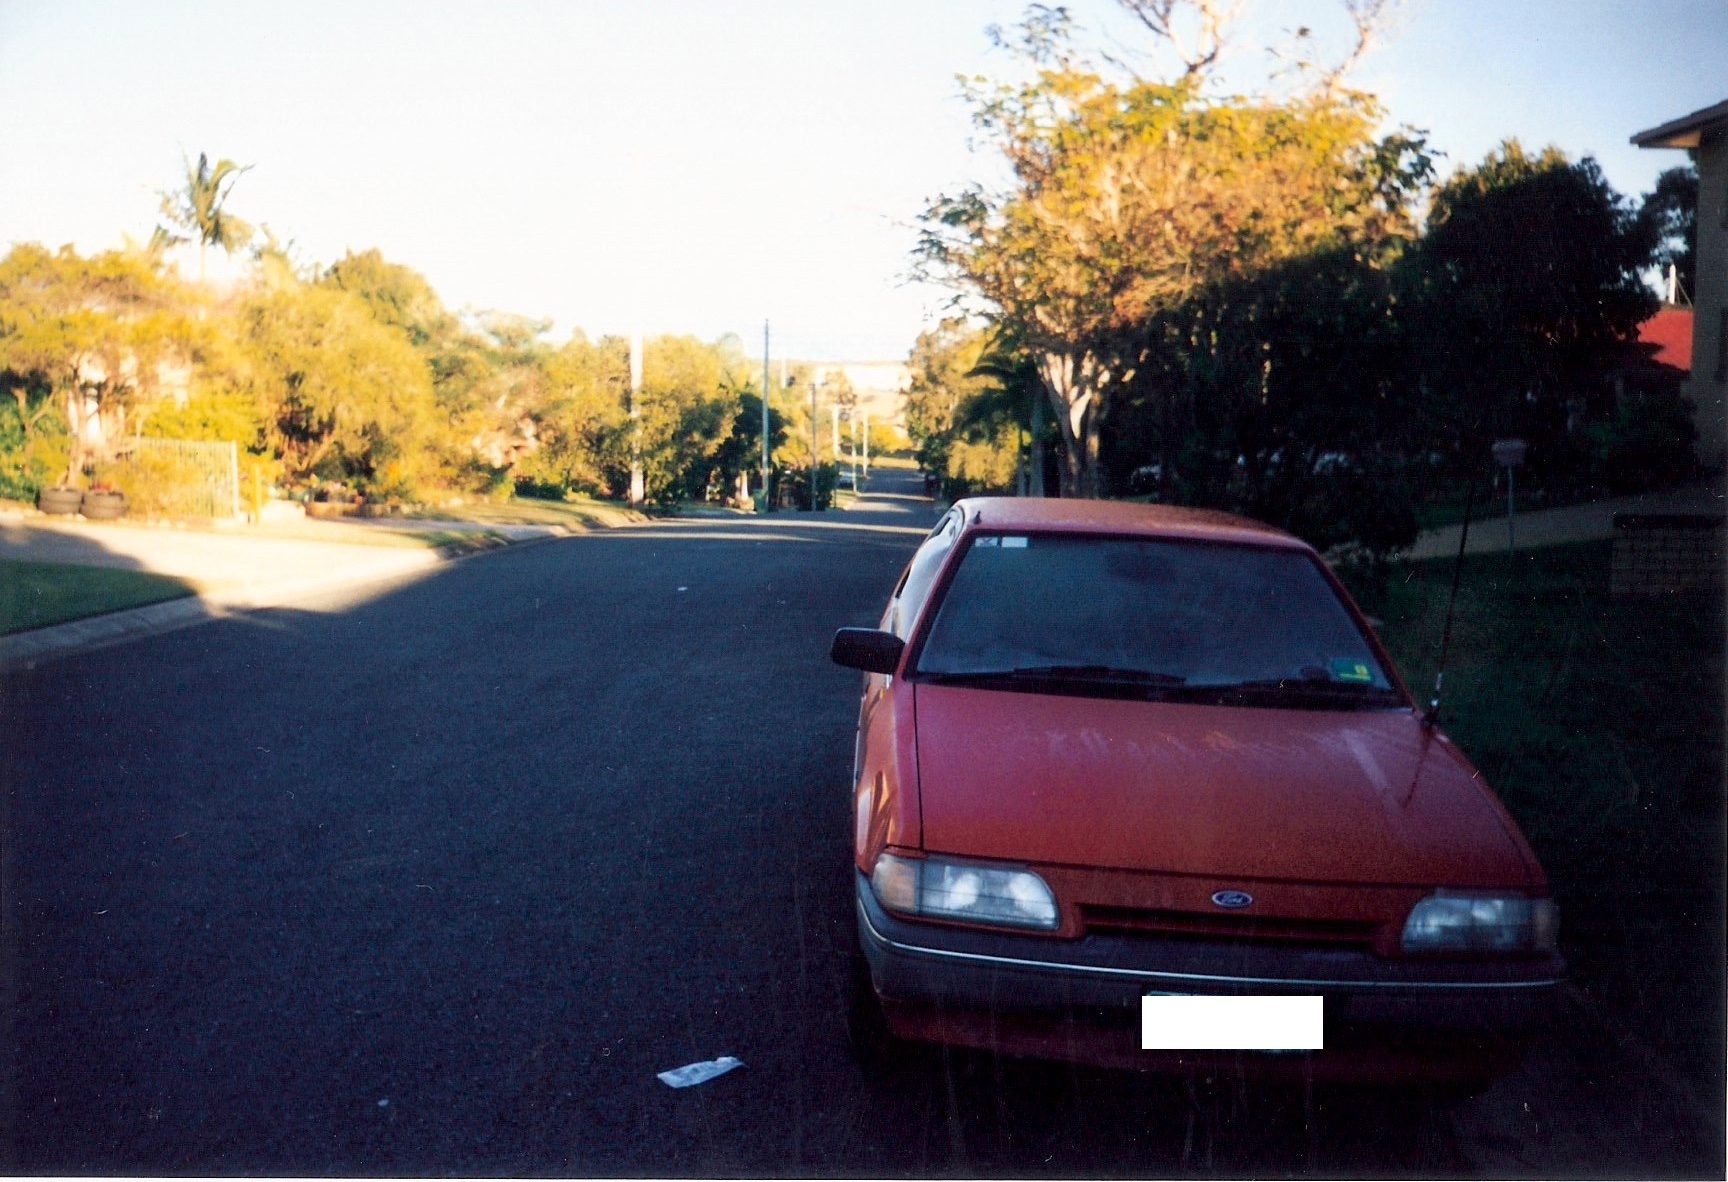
(1248,793)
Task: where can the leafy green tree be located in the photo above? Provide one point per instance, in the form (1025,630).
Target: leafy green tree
(740,454)
(583,411)
(34,443)
(1131,199)
(198,208)
(1669,212)
(688,407)
(1526,284)
(942,379)
(350,399)
(1283,396)
(397,296)
(102,337)
(969,406)
(488,382)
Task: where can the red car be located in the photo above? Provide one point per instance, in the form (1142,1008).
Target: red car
(1110,753)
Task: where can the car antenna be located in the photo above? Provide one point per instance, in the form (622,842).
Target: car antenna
(1431,716)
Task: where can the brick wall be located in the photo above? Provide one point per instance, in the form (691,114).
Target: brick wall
(1666,554)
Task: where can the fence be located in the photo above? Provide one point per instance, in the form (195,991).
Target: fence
(181,477)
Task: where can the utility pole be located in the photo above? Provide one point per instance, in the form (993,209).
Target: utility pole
(765,385)
(815,457)
(637,491)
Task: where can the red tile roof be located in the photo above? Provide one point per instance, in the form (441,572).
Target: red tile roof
(1670,330)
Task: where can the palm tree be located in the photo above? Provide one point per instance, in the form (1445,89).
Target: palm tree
(197,208)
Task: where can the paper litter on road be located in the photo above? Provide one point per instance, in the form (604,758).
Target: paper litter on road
(695,1073)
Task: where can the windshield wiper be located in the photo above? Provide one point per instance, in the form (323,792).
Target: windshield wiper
(1100,673)
(1091,674)
(1302,687)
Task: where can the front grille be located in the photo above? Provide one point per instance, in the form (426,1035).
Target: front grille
(1252,929)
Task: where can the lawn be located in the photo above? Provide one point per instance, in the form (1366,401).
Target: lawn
(1600,724)
(37,594)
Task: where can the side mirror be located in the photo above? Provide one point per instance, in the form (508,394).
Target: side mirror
(867,649)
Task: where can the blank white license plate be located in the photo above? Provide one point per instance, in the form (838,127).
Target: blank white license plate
(1196,1022)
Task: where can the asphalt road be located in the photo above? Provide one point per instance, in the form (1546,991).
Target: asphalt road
(436,883)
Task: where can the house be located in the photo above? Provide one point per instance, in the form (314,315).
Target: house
(1705,135)
(1657,363)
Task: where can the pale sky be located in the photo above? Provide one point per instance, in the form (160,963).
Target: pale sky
(683,166)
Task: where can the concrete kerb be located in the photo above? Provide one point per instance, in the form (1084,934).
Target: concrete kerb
(26,650)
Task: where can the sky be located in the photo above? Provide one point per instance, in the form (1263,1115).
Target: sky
(690,166)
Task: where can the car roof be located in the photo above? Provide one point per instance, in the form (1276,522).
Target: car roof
(1067,515)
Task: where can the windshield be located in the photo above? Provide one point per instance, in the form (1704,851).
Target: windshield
(1157,618)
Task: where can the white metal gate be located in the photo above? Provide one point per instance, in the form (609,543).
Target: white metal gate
(194,478)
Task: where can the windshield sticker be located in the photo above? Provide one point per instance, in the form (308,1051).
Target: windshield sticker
(1013,543)
(987,540)
(1350,669)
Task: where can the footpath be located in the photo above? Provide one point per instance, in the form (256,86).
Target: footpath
(1589,522)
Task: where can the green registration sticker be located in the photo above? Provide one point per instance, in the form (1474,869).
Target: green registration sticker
(1346,669)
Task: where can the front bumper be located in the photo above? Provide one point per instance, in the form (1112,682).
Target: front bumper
(1079,1000)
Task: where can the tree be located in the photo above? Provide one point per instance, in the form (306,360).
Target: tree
(398,296)
(1284,396)
(1669,213)
(740,455)
(688,407)
(1132,199)
(1527,282)
(969,404)
(941,378)
(584,409)
(350,399)
(198,207)
(101,336)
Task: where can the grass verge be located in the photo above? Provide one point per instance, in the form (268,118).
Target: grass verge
(38,594)
(1600,724)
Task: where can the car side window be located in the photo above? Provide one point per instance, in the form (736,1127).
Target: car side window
(921,573)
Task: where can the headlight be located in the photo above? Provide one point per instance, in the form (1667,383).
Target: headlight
(940,889)
(1456,921)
